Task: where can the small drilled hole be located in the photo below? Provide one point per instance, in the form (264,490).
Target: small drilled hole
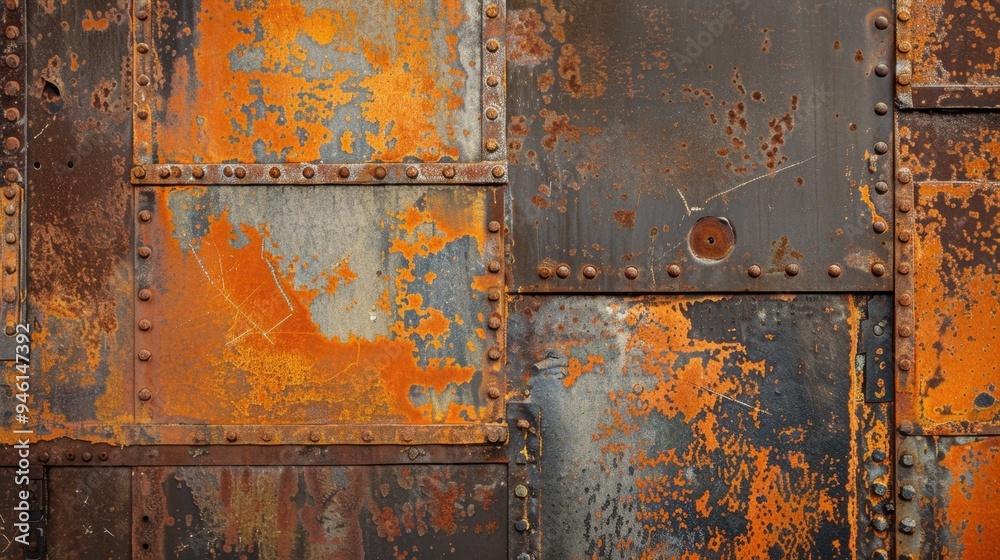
(69,165)
(38,165)
(145,519)
(145,546)
(711,241)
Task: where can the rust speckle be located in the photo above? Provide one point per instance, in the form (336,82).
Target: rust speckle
(625,217)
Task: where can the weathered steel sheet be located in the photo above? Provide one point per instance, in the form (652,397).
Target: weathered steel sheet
(699,146)
(288,81)
(719,426)
(89,514)
(948,344)
(13,75)
(418,512)
(311,305)
(945,54)
(946,503)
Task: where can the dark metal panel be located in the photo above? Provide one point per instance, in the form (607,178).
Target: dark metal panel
(948,216)
(947,497)
(285,81)
(945,54)
(320,306)
(631,122)
(418,512)
(12,163)
(88,514)
(876,346)
(727,427)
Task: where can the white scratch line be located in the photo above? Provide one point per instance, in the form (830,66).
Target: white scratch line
(35,137)
(755,179)
(274,274)
(226,296)
(689,208)
(727,397)
(108,532)
(9,542)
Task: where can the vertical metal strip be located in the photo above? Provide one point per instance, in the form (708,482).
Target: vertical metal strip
(142,90)
(494,113)
(14,164)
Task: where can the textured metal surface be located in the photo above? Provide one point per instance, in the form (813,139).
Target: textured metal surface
(221,81)
(419,512)
(631,121)
(949,497)
(13,153)
(320,306)
(731,427)
(89,513)
(945,54)
(947,223)
(307,174)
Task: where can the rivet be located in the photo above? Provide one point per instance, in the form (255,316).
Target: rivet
(521,491)
(143,48)
(231,436)
(492,80)
(12,175)
(145,395)
(103,456)
(631,273)
(10,296)
(142,15)
(494,353)
(379,172)
(227,171)
(792,269)
(879,523)
(907,492)
(12,114)
(881,108)
(240,173)
(523,424)
(344,172)
(904,236)
(493,266)
(638,389)
(406,435)
(412,172)
(878,269)
(903,78)
(13,60)
(498,171)
(197,172)
(544,271)
(904,332)
(493,226)
(495,321)
(145,294)
(9,329)
(834,270)
(145,215)
(904,176)
(882,22)
(907,460)
(314,436)
(492,145)
(87,456)
(881,147)
(492,113)
(10,238)
(493,295)
(164,173)
(589,271)
(754,271)
(145,355)
(145,325)
(44,457)
(878,455)
(903,15)
(70,456)
(562,271)
(492,10)
(905,206)
(11,144)
(674,270)
(904,46)
(142,80)
(881,70)
(881,187)
(522,525)
(880,489)
(274,172)
(12,32)
(10,267)
(308,172)
(367,435)
(493,45)
(905,364)
(448,172)
(10,191)
(908,525)
(265,436)
(493,393)
(10,209)
(12,88)
(904,268)
(879,226)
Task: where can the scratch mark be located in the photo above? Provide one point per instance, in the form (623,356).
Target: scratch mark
(727,397)
(225,296)
(689,208)
(771,174)
(108,532)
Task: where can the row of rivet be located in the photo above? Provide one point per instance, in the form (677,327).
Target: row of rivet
(495,320)
(904,66)
(144,295)
(142,95)
(13,162)
(464,173)
(590,271)
(494,96)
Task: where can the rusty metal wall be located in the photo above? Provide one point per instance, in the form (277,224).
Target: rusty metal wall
(446,279)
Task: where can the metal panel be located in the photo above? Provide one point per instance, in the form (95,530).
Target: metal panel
(722,426)
(434,511)
(89,514)
(947,497)
(286,81)
(949,212)
(632,123)
(321,306)
(945,54)
(13,75)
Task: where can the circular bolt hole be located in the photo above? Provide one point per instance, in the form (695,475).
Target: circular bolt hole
(711,238)
(145,519)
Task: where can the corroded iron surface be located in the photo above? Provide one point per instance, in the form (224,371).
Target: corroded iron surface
(630,121)
(730,427)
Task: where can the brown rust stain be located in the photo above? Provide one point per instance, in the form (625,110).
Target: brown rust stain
(951,43)
(558,127)
(525,46)
(253,78)
(968,510)
(625,217)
